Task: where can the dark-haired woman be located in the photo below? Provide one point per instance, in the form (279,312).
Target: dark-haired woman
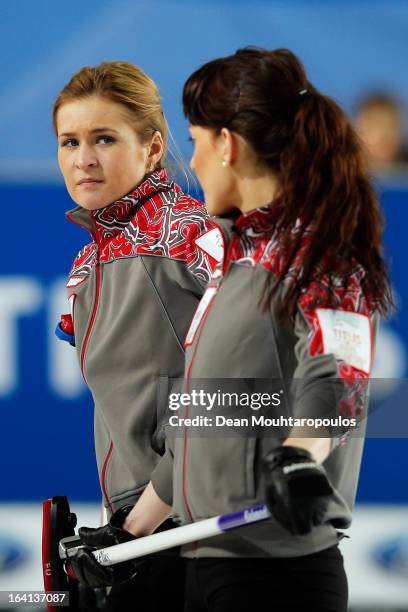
(296,299)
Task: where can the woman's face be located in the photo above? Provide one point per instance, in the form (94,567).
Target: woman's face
(381,131)
(99,153)
(210,151)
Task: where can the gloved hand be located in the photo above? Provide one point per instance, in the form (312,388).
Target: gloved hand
(297,489)
(84,564)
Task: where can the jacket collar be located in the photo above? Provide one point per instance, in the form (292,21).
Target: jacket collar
(257,221)
(112,219)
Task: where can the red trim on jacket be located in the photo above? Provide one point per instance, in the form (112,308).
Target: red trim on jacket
(93,317)
(188,376)
(103,475)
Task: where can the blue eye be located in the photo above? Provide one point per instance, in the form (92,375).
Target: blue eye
(70,142)
(190,139)
(106,139)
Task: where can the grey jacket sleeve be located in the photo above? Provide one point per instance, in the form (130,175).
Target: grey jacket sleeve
(162,477)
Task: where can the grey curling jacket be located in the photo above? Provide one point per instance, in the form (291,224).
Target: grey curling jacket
(231,338)
(133,291)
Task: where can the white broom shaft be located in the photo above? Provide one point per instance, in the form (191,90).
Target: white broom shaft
(180,535)
(157,542)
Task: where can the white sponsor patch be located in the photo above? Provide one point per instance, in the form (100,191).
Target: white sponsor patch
(75,280)
(346,335)
(212,243)
(199,313)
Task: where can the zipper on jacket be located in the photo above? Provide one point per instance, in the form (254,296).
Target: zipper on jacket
(184,491)
(103,475)
(187,505)
(91,322)
(97,291)
(225,265)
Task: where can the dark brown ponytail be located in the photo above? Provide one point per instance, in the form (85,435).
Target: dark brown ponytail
(308,141)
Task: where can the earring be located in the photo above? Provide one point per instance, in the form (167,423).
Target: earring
(224,163)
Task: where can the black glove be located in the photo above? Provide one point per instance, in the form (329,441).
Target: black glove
(297,489)
(86,567)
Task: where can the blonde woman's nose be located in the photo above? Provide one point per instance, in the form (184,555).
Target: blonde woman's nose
(85,157)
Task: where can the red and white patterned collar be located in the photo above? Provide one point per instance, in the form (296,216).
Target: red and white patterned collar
(257,221)
(109,221)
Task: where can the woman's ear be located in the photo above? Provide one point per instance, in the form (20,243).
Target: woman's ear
(228,146)
(156,150)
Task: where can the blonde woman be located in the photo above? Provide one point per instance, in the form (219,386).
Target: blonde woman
(133,290)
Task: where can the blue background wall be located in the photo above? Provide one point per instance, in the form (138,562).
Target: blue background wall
(46,427)
(347,46)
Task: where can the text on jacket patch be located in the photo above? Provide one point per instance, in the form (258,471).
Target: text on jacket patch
(346,335)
